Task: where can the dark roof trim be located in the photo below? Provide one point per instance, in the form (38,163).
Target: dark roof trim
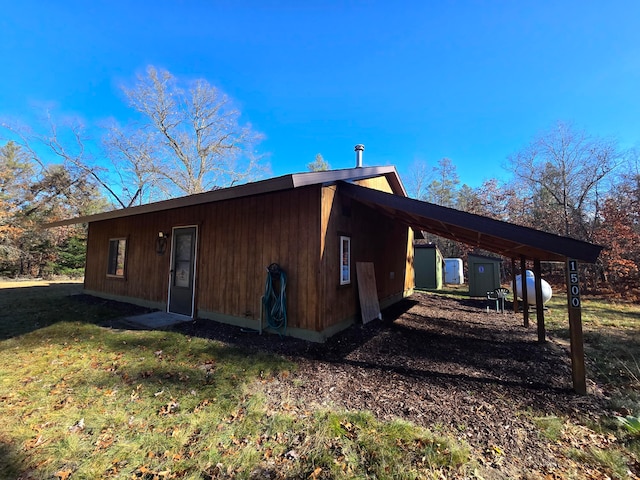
(504,238)
(276,184)
(485,257)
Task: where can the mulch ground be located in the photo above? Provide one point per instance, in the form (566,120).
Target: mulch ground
(448,365)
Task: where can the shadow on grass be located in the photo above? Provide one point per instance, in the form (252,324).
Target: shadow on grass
(10,460)
(105,369)
(456,347)
(615,311)
(26,309)
(444,350)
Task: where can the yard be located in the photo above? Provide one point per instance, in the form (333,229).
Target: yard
(439,388)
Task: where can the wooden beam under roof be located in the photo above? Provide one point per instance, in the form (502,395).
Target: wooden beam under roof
(496,236)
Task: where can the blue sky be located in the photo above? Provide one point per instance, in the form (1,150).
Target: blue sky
(470,80)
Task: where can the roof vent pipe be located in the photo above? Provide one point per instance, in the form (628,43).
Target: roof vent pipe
(359,149)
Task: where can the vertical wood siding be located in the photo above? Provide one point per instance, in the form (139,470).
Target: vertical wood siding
(237,240)
(410,273)
(374,238)
(376,183)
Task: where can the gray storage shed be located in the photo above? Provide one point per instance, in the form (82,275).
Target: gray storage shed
(484,274)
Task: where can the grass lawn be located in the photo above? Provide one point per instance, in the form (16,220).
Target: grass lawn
(82,401)
(612,349)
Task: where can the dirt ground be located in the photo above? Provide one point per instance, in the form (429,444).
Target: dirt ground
(450,366)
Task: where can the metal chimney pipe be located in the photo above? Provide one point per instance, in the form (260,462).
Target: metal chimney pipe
(359,149)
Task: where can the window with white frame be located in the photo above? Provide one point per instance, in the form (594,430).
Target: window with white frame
(117,253)
(345,260)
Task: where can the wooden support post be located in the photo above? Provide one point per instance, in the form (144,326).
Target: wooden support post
(514,284)
(575,327)
(537,271)
(523,280)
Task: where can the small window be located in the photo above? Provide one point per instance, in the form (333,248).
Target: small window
(345,260)
(117,251)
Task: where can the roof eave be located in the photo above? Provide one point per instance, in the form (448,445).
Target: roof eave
(270,185)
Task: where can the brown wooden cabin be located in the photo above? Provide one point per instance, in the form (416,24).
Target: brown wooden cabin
(206,255)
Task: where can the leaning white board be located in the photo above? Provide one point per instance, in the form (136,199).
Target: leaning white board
(367,291)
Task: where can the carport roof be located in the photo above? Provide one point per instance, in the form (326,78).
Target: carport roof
(486,233)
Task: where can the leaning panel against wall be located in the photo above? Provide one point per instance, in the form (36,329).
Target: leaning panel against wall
(372,237)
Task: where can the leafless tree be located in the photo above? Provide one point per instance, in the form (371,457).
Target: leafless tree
(190,138)
(420,176)
(65,168)
(565,170)
(132,153)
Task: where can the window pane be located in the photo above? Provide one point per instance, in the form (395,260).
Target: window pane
(183,247)
(113,255)
(181,277)
(345,260)
(122,244)
(117,254)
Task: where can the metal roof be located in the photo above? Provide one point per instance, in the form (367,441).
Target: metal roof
(276,184)
(486,233)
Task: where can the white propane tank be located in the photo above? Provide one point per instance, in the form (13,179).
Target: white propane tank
(531,288)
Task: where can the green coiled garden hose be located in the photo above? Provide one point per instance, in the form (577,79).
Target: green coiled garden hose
(275,299)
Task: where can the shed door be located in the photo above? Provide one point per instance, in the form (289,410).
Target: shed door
(183,271)
(485,278)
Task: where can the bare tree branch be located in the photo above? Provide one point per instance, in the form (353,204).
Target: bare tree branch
(199,142)
(567,166)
